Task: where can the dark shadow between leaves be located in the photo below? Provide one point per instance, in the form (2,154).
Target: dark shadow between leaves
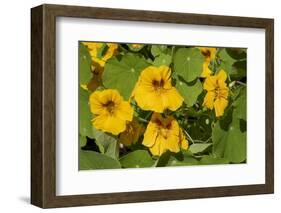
(90,145)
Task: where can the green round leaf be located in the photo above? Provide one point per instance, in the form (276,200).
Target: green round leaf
(231,143)
(209,160)
(95,160)
(82,140)
(157,50)
(183,158)
(85,116)
(240,105)
(188,63)
(85,61)
(107,143)
(137,159)
(186,161)
(238,70)
(237,53)
(163,160)
(226,60)
(189,91)
(123,75)
(162,60)
(199,147)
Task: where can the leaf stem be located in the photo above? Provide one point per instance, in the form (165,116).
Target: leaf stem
(241,83)
(147,116)
(189,137)
(200,141)
(143,120)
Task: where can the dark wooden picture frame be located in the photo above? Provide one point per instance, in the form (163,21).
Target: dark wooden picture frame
(43,105)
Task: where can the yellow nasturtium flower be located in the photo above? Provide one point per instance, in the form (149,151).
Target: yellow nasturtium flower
(110,110)
(217,93)
(132,133)
(209,55)
(154,90)
(93,50)
(163,134)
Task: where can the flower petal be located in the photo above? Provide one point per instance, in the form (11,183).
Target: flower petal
(206,71)
(148,75)
(163,145)
(155,149)
(148,100)
(183,141)
(96,106)
(210,83)
(172,143)
(171,99)
(209,99)
(109,124)
(113,95)
(224,93)
(220,104)
(124,111)
(150,135)
(165,73)
(222,76)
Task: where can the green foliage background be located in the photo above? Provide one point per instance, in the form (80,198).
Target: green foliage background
(211,140)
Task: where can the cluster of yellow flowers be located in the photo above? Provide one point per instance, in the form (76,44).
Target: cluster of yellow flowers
(217,90)
(153,92)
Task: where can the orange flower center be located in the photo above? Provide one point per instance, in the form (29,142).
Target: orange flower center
(158,85)
(163,129)
(207,53)
(219,92)
(109,106)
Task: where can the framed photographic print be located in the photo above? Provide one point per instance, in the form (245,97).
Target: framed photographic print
(135,106)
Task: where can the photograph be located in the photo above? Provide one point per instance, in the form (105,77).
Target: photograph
(158,105)
(186,99)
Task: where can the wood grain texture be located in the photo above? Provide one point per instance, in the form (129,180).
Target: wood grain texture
(43,105)
(269,106)
(36,106)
